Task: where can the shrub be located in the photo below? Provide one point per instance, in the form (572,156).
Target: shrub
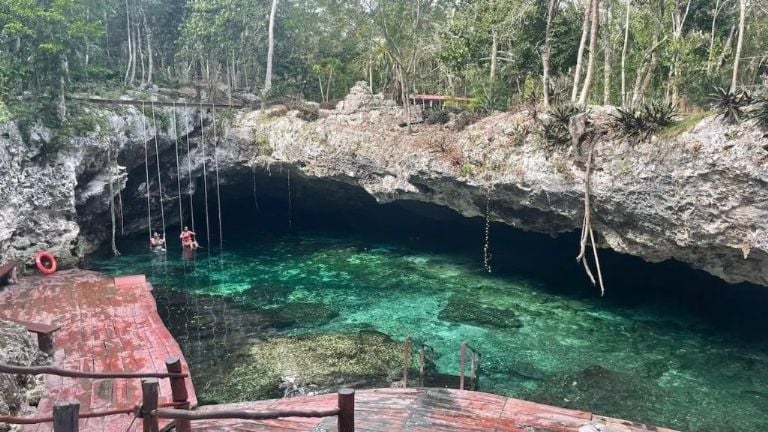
(563,113)
(646,120)
(465,119)
(435,116)
(555,128)
(761,114)
(308,113)
(729,104)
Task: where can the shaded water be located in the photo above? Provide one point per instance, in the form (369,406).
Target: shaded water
(666,345)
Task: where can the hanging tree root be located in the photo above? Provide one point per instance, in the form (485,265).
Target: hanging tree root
(586,229)
(112,201)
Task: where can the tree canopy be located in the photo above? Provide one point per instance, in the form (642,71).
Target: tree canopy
(614,51)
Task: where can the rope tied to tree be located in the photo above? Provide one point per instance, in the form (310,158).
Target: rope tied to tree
(146,166)
(178,170)
(159,180)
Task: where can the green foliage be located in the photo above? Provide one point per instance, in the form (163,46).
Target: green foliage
(761,114)
(465,119)
(306,112)
(555,128)
(730,104)
(261,143)
(436,116)
(684,125)
(562,113)
(467,169)
(648,119)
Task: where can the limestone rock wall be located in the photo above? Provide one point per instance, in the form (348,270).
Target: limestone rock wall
(699,197)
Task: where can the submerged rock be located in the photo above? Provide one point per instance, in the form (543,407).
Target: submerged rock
(601,390)
(463,311)
(311,364)
(261,294)
(302,314)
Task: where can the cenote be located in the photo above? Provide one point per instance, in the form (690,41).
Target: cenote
(666,345)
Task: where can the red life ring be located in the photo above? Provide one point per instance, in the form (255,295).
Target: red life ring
(45,262)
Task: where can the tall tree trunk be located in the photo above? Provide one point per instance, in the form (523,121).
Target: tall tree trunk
(726,49)
(592,53)
(148,36)
(270,52)
(61,104)
(608,56)
(494,54)
(624,58)
(580,54)
(711,52)
(545,53)
(128,75)
(739,44)
(141,56)
(406,99)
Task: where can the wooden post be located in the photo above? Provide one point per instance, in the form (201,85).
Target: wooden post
(472,371)
(406,361)
(346,410)
(45,342)
(149,395)
(462,364)
(178,392)
(421,366)
(65,416)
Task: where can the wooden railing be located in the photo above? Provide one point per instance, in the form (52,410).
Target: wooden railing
(67,413)
(475,358)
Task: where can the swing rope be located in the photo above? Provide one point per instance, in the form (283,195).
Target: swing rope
(178,171)
(120,199)
(159,181)
(205,177)
(189,168)
(146,166)
(218,184)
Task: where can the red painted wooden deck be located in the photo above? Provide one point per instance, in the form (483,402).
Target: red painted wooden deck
(424,410)
(107,326)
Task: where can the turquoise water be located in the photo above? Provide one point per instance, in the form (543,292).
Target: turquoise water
(667,345)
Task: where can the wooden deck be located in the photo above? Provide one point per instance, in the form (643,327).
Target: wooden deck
(424,410)
(105,327)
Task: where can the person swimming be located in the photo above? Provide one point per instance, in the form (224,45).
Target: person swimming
(188,239)
(157,243)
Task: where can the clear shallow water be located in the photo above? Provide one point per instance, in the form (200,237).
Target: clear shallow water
(666,346)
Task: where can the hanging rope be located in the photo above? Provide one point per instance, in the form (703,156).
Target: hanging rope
(255,198)
(159,181)
(487,242)
(178,171)
(189,168)
(205,178)
(112,200)
(216,163)
(290,206)
(146,166)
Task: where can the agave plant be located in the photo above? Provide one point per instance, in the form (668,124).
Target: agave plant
(646,120)
(730,104)
(563,113)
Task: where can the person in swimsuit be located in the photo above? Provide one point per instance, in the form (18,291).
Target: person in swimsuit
(188,239)
(157,243)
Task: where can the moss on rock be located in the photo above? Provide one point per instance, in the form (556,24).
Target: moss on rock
(317,363)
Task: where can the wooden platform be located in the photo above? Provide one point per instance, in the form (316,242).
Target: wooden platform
(105,327)
(424,410)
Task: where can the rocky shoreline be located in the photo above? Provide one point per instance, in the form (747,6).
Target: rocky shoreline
(698,197)
(19,394)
